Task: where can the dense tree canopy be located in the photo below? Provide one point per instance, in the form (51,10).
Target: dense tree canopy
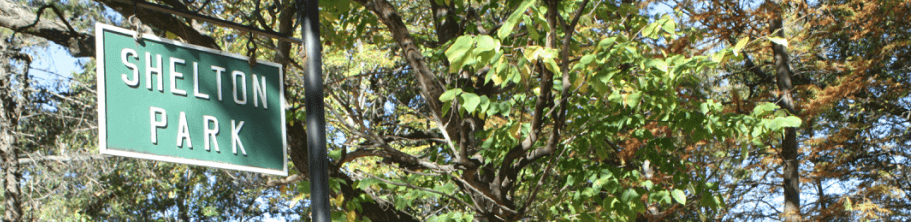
(522,110)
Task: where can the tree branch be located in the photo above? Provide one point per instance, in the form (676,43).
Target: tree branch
(431,87)
(284,181)
(892,109)
(21,19)
(413,187)
(61,158)
(164,21)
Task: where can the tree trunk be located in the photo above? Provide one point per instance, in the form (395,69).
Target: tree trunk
(8,154)
(8,151)
(789,151)
(183,196)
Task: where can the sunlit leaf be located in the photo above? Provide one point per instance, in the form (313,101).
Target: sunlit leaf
(779,40)
(510,23)
(450,94)
(740,44)
(679,196)
(470,101)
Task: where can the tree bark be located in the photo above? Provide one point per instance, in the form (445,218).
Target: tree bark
(789,152)
(15,16)
(431,87)
(9,153)
(183,211)
(163,21)
(11,174)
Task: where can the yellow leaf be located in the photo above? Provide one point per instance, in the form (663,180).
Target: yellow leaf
(740,44)
(340,200)
(578,83)
(779,40)
(515,131)
(352,216)
(296,200)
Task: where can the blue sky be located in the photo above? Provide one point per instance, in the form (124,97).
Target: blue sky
(53,63)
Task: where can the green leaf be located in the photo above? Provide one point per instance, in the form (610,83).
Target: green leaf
(532,30)
(606,43)
(648,184)
(602,153)
(679,196)
(633,98)
(782,122)
(468,217)
(493,109)
(510,23)
(651,31)
(366,183)
(458,52)
(791,121)
(665,196)
(583,63)
(764,109)
(446,107)
(470,102)
(658,64)
(450,94)
(630,195)
(459,48)
(446,188)
(485,43)
(485,103)
(779,40)
(615,96)
(505,108)
(335,154)
(552,65)
(744,151)
(848,205)
(303,187)
(669,25)
(587,59)
(587,217)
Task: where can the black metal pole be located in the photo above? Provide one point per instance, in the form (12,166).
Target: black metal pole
(308,14)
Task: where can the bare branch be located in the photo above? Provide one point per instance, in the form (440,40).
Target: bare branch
(161,20)
(414,187)
(285,181)
(431,87)
(61,158)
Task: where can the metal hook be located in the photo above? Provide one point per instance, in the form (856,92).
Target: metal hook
(251,50)
(250,43)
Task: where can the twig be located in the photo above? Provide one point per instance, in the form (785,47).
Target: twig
(534,192)
(28,160)
(285,181)
(482,194)
(413,187)
(38,18)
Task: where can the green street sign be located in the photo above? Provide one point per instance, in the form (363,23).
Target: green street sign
(164,100)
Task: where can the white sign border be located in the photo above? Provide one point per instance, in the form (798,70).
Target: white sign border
(102,109)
